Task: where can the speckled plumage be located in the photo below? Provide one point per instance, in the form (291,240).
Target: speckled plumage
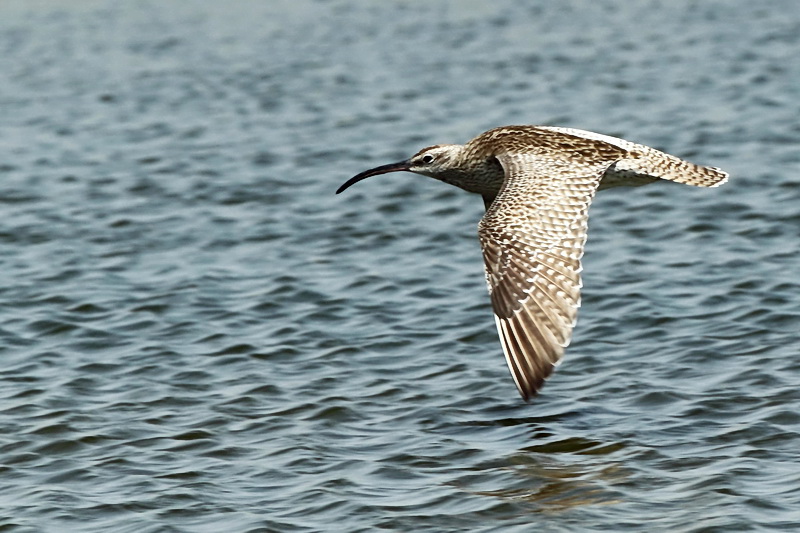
(537,183)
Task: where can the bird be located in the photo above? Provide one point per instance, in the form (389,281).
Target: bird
(537,183)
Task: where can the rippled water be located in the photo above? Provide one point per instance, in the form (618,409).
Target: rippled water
(198,336)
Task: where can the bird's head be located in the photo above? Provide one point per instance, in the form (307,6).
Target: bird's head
(435,160)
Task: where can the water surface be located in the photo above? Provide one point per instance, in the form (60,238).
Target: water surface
(197,335)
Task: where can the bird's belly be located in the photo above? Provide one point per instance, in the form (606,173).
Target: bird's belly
(624,178)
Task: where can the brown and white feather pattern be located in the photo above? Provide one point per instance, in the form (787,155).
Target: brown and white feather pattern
(533,238)
(646,162)
(537,183)
(533,234)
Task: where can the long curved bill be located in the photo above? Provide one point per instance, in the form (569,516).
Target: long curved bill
(383,169)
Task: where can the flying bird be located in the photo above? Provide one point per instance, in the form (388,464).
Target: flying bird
(537,183)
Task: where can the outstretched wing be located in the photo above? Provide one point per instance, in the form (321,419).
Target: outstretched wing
(532,238)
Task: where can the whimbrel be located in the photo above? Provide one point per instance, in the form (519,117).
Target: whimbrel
(537,183)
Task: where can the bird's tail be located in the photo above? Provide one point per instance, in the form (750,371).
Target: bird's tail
(652,162)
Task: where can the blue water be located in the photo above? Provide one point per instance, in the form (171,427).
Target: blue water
(198,336)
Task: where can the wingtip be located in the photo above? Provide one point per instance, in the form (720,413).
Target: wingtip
(528,384)
(529,395)
(536,386)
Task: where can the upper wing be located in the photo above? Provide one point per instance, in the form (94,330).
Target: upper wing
(532,238)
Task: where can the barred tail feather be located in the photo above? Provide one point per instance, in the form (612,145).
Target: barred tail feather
(660,165)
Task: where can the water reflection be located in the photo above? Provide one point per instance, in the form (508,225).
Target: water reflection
(553,476)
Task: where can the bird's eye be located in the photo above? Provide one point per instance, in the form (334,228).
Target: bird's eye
(427,159)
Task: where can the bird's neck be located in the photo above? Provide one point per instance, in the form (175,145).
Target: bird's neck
(474,172)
